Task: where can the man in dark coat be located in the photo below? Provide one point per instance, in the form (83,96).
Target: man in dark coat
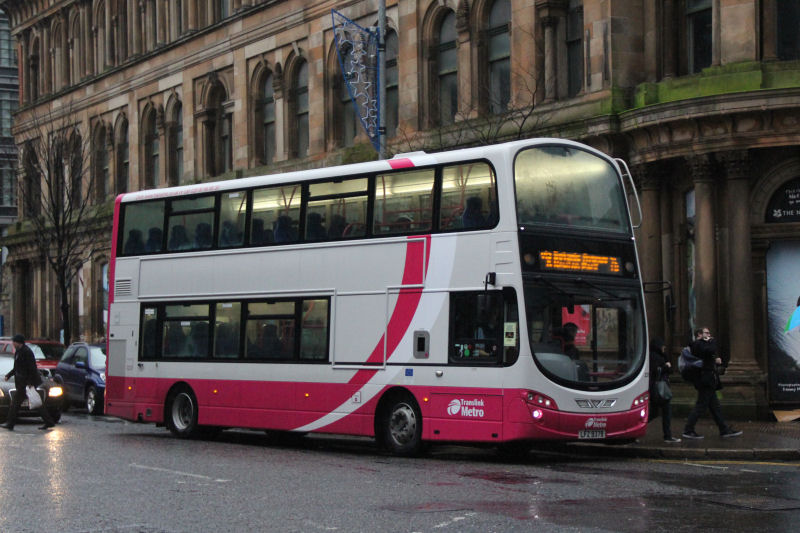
(706,384)
(25,373)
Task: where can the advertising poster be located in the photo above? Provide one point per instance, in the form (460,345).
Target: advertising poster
(783,305)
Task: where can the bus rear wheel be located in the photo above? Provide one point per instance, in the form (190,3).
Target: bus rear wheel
(181,414)
(402,427)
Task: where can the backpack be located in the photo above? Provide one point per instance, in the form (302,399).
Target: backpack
(688,365)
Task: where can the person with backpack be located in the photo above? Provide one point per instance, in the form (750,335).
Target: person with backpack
(659,371)
(707,383)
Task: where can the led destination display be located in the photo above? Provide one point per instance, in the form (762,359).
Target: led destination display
(579,262)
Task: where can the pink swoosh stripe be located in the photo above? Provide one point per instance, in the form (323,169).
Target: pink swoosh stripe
(405,308)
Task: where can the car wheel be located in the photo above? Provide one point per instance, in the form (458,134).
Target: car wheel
(181,414)
(402,426)
(93,404)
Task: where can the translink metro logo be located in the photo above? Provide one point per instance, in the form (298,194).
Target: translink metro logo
(471,408)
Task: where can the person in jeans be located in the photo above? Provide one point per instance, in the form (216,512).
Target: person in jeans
(706,384)
(659,370)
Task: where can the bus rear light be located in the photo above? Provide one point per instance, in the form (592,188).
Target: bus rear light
(541,400)
(641,400)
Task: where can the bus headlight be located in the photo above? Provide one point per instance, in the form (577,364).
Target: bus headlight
(55,391)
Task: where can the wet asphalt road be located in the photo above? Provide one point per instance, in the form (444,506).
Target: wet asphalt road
(102,474)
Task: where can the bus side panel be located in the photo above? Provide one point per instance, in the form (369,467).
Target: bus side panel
(464,415)
(358,323)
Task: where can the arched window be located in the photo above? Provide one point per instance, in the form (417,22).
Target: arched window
(299,109)
(392,106)
(60,73)
(265,118)
(499,56)
(447,70)
(32,187)
(175,145)
(100,164)
(218,129)
(176,19)
(574,48)
(151,152)
(33,72)
(74,162)
(76,49)
(122,150)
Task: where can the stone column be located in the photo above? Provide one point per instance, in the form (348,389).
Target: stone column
(740,312)
(651,40)
(281,153)
(705,263)
(550,25)
(649,237)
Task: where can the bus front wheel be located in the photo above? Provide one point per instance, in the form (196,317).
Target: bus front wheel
(181,414)
(402,427)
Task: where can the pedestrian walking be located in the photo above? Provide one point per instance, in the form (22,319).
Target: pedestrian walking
(707,383)
(25,373)
(660,393)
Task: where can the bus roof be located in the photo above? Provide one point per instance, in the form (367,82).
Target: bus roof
(402,160)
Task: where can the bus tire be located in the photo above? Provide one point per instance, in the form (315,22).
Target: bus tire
(401,426)
(181,414)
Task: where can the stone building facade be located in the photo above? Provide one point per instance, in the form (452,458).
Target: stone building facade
(700,97)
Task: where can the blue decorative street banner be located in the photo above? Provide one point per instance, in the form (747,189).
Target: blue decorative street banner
(358,53)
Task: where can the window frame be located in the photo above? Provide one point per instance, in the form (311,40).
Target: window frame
(369,194)
(508,305)
(161,319)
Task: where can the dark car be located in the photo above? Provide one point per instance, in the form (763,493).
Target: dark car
(82,374)
(49,390)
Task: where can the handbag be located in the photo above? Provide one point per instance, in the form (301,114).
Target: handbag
(34,400)
(663,391)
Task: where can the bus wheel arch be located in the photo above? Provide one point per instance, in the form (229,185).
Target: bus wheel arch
(181,412)
(398,422)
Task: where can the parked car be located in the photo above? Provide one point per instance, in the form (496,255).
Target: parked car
(82,373)
(49,389)
(46,352)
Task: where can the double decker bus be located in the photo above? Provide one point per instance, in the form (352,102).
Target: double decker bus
(486,295)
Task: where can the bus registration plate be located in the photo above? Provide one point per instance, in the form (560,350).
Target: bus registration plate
(592,434)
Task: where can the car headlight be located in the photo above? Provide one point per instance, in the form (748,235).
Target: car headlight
(103,376)
(55,391)
(1,393)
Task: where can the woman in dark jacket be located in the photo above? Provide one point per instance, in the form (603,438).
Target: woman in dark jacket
(659,370)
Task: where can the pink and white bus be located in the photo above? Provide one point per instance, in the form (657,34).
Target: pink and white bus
(487,295)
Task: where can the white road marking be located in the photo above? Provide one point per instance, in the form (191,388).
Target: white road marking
(177,472)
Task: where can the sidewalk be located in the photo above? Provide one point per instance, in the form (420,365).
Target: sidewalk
(764,441)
